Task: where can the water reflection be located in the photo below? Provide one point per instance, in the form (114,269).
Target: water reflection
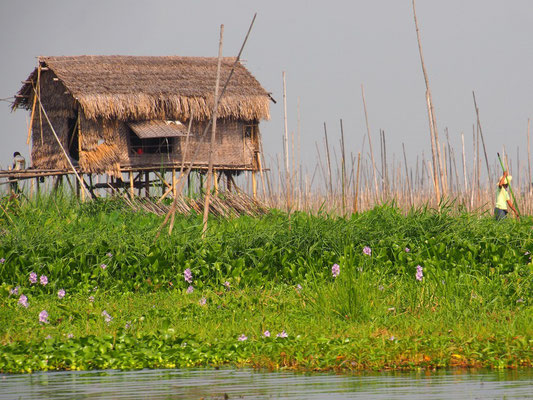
(247,384)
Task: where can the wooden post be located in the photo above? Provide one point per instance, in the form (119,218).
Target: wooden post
(174,183)
(132,193)
(254,184)
(147,184)
(215,181)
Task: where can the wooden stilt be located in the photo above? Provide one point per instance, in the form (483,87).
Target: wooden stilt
(254,184)
(147,184)
(174,182)
(132,193)
(215,181)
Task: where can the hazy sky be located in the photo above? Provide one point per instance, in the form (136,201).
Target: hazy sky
(327,48)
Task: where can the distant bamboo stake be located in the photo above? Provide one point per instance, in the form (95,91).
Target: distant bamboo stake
(343,166)
(370,143)
(328,160)
(407,177)
(356,194)
(529,183)
(286,140)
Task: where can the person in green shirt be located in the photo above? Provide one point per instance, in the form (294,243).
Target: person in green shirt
(503,200)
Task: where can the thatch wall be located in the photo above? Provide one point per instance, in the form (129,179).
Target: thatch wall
(99,145)
(46,152)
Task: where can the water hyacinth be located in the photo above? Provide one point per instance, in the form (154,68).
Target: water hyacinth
(407,249)
(335,270)
(298,287)
(103,266)
(33,277)
(61,293)
(43,280)
(242,338)
(227,284)
(190,289)
(91,299)
(282,334)
(108,318)
(419,274)
(23,301)
(2,260)
(367,250)
(43,317)
(187,275)
(70,336)
(266,333)
(203,301)
(14,291)
(109,255)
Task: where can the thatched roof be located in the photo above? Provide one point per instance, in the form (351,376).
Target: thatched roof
(144,88)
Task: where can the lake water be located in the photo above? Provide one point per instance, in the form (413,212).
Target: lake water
(248,384)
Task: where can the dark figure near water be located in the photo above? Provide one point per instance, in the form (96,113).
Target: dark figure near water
(19,163)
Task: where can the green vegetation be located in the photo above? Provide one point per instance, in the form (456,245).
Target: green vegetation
(427,289)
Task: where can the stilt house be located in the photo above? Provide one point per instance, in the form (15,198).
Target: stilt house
(114,114)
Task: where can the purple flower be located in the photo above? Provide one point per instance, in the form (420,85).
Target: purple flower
(381,288)
(43,317)
(520,300)
(48,337)
(108,318)
(103,266)
(226,284)
(407,249)
(242,338)
(15,290)
(109,255)
(2,260)
(43,279)
(392,338)
(70,336)
(91,299)
(298,287)
(419,275)
(33,277)
(335,270)
(187,274)
(203,301)
(190,289)
(61,293)
(128,325)
(367,250)
(23,301)
(266,333)
(283,334)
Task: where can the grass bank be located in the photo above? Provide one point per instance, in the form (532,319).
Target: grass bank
(377,290)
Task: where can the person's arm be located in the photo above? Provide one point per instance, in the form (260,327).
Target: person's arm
(510,204)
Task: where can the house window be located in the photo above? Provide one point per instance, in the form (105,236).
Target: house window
(151,145)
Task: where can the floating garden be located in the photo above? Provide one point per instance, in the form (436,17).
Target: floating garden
(88,286)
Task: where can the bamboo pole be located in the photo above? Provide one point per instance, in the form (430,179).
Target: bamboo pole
(407,177)
(343,171)
(370,143)
(529,183)
(213,134)
(356,188)
(433,123)
(286,141)
(481,133)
